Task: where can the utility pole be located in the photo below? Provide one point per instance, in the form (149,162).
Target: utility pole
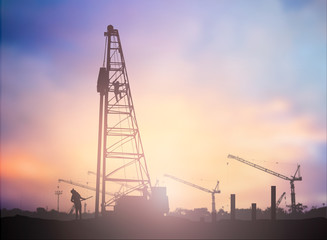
(58,193)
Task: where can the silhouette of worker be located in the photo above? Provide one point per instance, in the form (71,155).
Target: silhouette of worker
(117,90)
(76,199)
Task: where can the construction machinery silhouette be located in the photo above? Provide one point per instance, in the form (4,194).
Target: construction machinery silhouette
(115,196)
(291,179)
(121,157)
(212,192)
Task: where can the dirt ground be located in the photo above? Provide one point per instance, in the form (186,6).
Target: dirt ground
(19,227)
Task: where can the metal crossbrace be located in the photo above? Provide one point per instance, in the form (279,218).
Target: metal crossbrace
(119,195)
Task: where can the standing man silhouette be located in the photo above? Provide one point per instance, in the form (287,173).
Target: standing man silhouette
(117,90)
(76,199)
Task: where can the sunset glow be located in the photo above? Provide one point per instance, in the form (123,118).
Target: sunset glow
(208,79)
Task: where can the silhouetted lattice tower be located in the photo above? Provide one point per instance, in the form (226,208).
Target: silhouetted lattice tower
(120,150)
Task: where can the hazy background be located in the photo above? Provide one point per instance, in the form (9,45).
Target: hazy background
(208,79)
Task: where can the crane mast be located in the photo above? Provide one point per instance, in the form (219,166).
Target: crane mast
(212,192)
(292,179)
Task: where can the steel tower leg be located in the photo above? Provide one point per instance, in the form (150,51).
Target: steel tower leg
(99,158)
(104,152)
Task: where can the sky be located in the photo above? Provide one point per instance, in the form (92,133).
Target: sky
(208,79)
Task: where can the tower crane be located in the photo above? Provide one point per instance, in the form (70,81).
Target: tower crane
(280,199)
(296,177)
(81,185)
(213,192)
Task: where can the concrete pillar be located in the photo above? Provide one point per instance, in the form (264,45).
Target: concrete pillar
(273,202)
(232,206)
(254,211)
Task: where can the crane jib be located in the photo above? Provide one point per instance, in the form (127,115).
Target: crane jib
(260,167)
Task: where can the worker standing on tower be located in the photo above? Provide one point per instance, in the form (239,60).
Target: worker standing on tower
(117,90)
(76,199)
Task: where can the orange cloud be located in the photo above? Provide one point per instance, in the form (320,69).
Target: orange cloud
(18,167)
